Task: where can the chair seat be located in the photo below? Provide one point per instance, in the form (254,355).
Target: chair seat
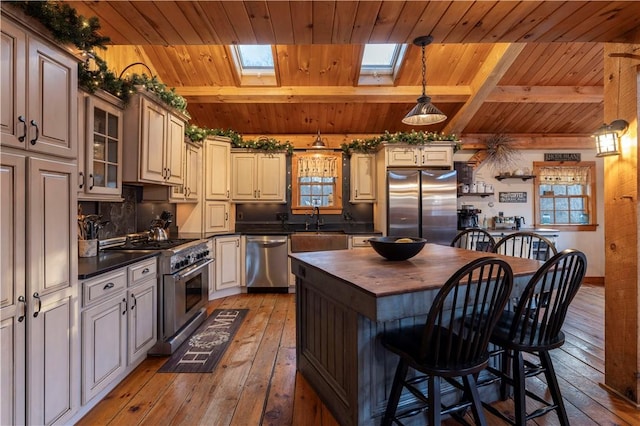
(406,344)
(526,342)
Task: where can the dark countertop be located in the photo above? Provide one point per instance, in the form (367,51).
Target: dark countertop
(107,261)
(542,231)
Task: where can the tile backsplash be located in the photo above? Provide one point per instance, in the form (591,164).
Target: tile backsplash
(130,216)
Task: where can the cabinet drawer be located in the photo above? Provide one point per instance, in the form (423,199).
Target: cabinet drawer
(103,286)
(142,271)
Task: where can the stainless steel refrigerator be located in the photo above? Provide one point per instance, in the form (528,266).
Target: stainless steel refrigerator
(422,203)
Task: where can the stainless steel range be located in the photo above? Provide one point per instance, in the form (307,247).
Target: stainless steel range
(183,283)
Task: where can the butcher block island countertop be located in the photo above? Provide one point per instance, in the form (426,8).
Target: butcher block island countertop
(345,298)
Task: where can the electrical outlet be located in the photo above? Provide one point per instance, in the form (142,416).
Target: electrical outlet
(240,215)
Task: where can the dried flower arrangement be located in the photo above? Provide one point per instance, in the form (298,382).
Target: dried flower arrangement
(501,157)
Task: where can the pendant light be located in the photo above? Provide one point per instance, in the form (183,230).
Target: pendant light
(424,112)
(318,143)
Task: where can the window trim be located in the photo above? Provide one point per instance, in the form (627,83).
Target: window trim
(253,76)
(382,75)
(296,208)
(593,205)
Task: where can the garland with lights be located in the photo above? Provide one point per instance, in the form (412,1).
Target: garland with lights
(67,27)
(409,138)
(263,143)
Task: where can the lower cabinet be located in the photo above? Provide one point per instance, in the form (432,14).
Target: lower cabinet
(118,325)
(228,262)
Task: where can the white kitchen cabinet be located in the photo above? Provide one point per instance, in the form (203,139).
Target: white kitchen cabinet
(258,177)
(216,216)
(119,324)
(422,156)
(155,138)
(100,147)
(228,262)
(363,178)
(190,190)
(39,302)
(104,345)
(39,85)
(217,165)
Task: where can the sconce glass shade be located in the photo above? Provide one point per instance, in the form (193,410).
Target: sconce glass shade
(424,113)
(608,138)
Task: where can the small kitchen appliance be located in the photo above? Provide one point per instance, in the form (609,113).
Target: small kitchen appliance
(468,217)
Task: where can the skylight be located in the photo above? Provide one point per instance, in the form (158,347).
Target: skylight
(255,56)
(254,64)
(380,63)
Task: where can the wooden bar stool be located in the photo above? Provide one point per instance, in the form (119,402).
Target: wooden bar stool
(535,328)
(474,239)
(451,344)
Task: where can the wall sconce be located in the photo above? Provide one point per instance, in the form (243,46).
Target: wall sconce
(608,138)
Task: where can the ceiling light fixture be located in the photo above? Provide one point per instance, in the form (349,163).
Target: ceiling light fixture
(319,142)
(424,112)
(608,138)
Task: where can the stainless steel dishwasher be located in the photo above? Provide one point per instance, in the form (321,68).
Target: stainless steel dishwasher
(267,262)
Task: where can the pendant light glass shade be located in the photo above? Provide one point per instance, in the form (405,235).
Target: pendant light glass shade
(424,112)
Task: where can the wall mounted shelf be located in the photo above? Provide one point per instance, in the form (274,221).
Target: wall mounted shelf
(523,177)
(475,194)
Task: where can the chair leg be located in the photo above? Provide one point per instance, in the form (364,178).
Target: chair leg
(552,383)
(396,391)
(435,404)
(505,367)
(519,392)
(471,389)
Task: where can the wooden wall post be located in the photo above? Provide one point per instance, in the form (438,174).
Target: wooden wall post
(622,288)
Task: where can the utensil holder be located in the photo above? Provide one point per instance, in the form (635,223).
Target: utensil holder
(87,248)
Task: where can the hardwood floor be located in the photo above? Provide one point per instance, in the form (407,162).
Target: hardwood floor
(256,382)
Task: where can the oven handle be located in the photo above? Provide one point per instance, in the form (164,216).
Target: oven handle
(181,275)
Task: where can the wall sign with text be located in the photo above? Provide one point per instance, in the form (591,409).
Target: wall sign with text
(512,197)
(560,156)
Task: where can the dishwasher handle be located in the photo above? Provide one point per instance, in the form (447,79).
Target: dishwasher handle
(266,241)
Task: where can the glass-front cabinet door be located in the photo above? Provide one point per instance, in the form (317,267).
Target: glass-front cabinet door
(104,148)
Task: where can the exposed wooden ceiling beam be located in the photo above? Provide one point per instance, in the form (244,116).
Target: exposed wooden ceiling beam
(498,61)
(547,94)
(319,94)
(400,94)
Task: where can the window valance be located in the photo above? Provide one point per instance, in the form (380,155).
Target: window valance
(317,166)
(564,175)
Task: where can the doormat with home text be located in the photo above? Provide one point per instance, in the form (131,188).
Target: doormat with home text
(202,351)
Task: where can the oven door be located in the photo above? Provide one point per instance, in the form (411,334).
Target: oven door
(184,294)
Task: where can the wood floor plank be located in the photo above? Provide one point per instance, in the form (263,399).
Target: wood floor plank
(256,382)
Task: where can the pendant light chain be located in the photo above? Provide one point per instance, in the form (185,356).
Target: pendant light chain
(424,72)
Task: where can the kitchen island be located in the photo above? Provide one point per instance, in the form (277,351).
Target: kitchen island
(344,299)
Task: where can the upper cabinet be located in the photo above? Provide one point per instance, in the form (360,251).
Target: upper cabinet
(258,177)
(39,86)
(422,156)
(363,178)
(217,153)
(155,142)
(100,148)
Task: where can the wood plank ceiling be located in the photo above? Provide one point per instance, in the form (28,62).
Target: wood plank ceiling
(517,67)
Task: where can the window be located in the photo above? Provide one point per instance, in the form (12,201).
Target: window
(565,194)
(317,182)
(380,63)
(254,64)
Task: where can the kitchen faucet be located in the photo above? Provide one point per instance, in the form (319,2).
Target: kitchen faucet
(316,214)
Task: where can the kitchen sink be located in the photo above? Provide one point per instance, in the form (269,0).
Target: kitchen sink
(318,241)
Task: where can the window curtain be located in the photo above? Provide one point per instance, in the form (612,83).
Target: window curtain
(317,166)
(564,175)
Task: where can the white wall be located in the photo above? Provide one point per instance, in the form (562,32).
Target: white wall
(589,242)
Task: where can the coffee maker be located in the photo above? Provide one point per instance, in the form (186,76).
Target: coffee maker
(468,217)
